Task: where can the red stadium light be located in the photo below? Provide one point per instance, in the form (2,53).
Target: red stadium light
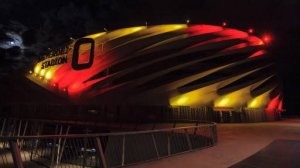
(224,23)
(266,38)
(250,30)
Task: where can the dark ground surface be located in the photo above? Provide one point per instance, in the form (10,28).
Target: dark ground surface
(280,153)
(237,142)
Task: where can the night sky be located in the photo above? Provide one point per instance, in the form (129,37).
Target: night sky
(29,27)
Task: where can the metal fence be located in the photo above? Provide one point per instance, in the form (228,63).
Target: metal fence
(129,113)
(103,150)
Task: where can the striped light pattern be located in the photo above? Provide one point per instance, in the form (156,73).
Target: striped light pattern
(179,65)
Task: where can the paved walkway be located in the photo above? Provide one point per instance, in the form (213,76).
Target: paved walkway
(236,142)
(279,154)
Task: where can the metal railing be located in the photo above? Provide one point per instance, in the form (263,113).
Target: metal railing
(103,150)
(129,113)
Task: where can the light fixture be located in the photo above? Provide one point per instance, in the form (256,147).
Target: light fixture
(250,30)
(187,21)
(266,38)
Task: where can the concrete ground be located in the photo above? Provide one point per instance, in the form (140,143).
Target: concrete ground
(236,142)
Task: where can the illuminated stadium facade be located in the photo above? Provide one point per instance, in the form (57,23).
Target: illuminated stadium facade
(194,66)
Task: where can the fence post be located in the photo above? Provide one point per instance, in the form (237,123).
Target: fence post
(84,160)
(23,134)
(214,134)
(155,146)
(100,149)
(63,146)
(123,150)
(195,129)
(221,117)
(169,145)
(59,146)
(15,151)
(188,139)
(53,163)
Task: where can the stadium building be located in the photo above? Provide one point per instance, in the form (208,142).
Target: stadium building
(200,72)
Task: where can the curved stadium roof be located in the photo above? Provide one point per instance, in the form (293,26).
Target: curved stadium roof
(180,65)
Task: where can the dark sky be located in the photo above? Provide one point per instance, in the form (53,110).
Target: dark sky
(35,25)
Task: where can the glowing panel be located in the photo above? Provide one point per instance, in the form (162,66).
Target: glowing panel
(195,98)
(97,35)
(42,72)
(260,101)
(234,99)
(226,34)
(48,75)
(123,32)
(253,41)
(37,69)
(238,46)
(223,102)
(273,104)
(258,53)
(203,29)
(233,33)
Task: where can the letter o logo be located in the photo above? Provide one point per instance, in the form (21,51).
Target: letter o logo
(75,58)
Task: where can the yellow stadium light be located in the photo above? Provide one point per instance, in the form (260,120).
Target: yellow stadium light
(178,26)
(235,99)
(37,69)
(182,100)
(48,75)
(123,32)
(225,101)
(195,98)
(259,101)
(253,103)
(96,35)
(42,73)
